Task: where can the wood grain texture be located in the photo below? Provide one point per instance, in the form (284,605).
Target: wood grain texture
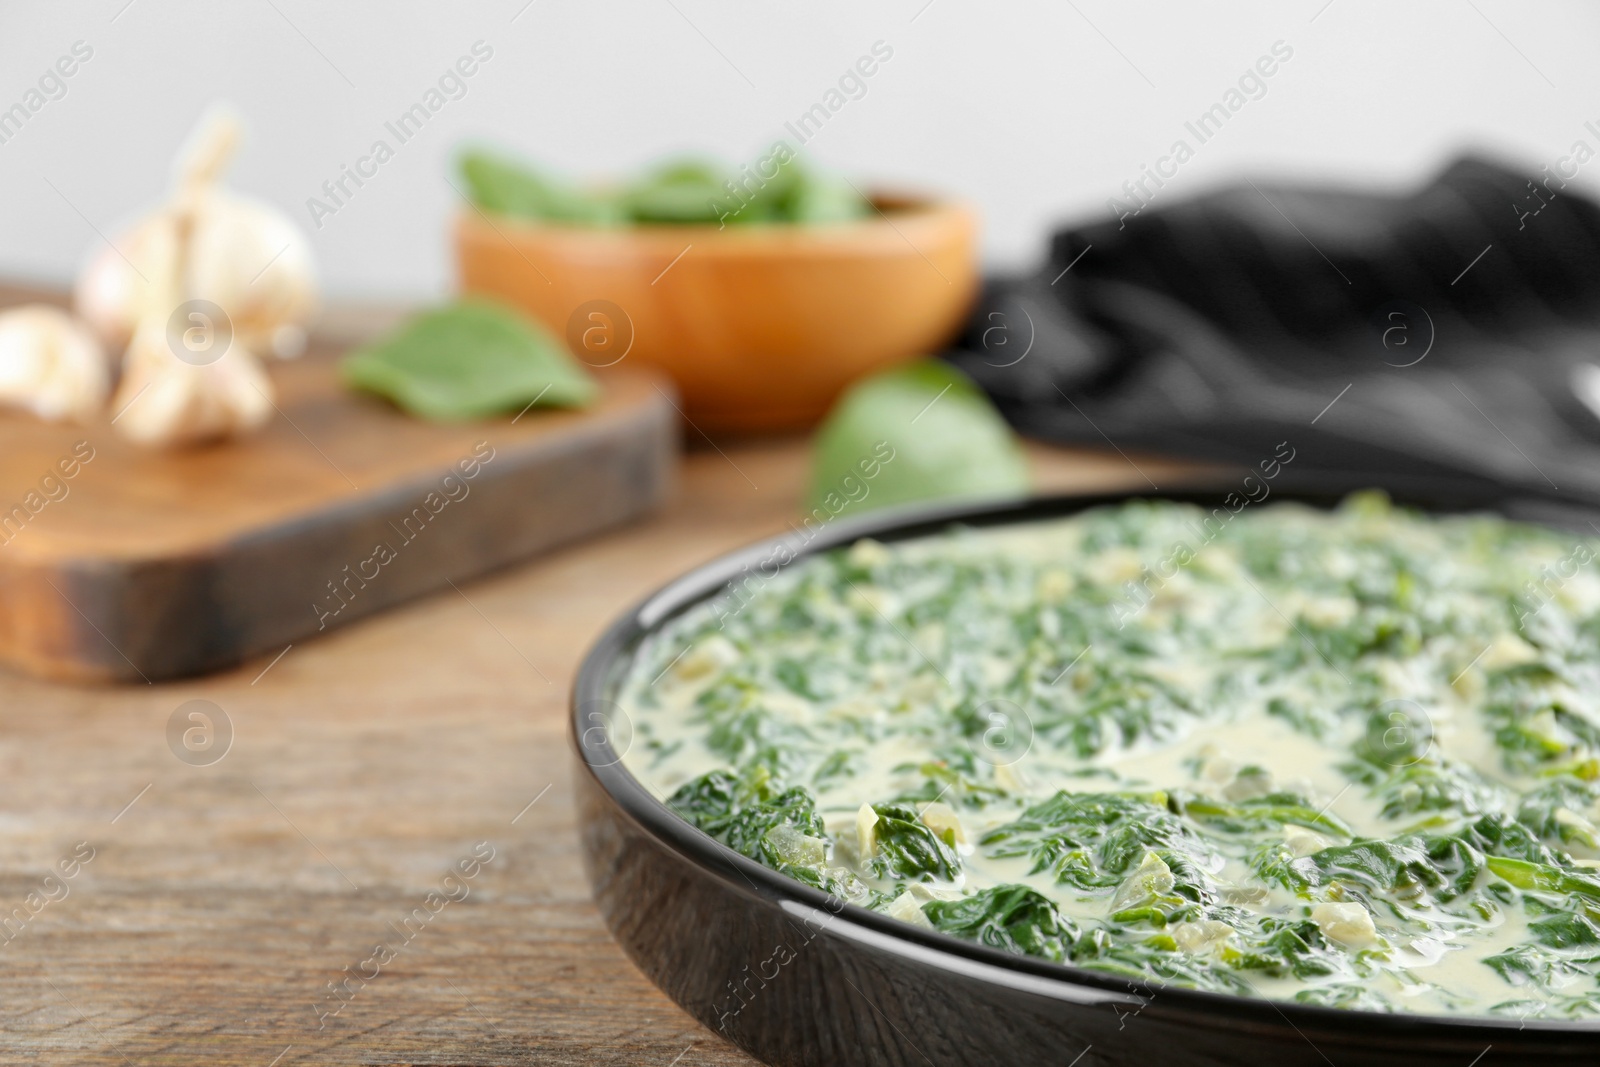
(364,765)
(144,565)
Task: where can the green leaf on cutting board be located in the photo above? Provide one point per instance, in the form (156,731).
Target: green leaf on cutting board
(469,360)
(948,442)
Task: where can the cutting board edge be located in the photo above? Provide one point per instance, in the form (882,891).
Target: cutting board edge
(79,620)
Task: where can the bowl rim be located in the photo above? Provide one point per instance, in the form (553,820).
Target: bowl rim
(603,665)
(905,208)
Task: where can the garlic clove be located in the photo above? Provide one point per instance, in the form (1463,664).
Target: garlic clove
(246,257)
(50,364)
(166,402)
(1349,923)
(113,291)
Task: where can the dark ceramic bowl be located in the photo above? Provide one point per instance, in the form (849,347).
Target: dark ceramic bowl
(796,978)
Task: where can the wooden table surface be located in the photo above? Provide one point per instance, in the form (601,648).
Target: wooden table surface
(222,901)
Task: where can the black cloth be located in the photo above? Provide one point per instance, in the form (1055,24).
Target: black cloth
(1461,317)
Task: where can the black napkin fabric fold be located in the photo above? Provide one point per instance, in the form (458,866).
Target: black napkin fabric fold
(1452,333)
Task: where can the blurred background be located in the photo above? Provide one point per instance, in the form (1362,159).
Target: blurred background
(1035,111)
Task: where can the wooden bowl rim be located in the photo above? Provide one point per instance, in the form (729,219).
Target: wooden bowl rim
(922,214)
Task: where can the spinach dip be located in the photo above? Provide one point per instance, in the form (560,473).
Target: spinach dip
(1346,758)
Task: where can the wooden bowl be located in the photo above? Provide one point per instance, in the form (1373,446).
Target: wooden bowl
(761,327)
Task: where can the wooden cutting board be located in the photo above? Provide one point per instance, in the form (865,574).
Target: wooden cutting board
(120,564)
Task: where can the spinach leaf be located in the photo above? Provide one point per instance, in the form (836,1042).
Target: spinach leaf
(1398,734)
(740,812)
(504,186)
(1415,868)
(1116,706)
(1546,878)
(838,764)
(1430,786)
(685,191)
(1541,714)
(709,800)
(1010,917)
(469,360)
(1289,948)
(924,432)
(1497,835)
(1313,718)
(1566,929)
(1368,867)
(679,192)
(1541,811)
(1259,814)
(1552,1006)
(1094,841)
(907,848)
(1349,995)
(952,780)
(1541,968)
(778,828)
(742,731)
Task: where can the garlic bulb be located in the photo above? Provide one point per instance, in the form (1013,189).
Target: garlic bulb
(243,255)
(50,364)
(112,288)
(235,265)
(164,400)
(247,257)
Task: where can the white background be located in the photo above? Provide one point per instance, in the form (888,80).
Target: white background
(1036,110)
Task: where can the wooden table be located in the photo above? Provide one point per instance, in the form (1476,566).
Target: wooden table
(221,901)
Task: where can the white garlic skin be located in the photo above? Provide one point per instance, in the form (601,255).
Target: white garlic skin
(117,283)
(244,255)
(166,402)
(251,261)
(51,365)
(203,246)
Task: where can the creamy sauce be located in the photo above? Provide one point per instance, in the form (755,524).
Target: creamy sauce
(1296,684)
